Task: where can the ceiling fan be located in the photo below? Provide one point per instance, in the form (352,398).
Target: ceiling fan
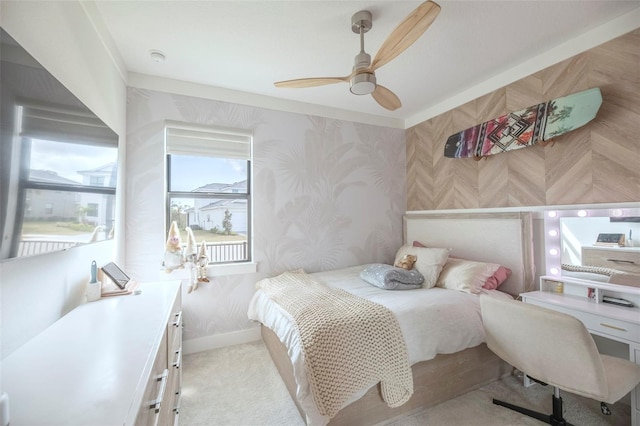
(362,80)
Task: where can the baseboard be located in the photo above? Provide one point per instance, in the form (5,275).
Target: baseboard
(220,340)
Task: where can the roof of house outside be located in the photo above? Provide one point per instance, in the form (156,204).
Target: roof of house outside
(222,203)
(221,187)
(49,176)
(107,168)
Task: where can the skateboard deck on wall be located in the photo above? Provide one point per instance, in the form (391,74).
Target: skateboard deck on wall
(525,127)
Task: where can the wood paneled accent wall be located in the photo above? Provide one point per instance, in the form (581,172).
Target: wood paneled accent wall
(598,163)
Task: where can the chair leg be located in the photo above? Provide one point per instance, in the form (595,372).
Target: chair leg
(554,419)
(536,415)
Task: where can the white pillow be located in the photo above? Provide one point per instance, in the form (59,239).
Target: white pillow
(466,275)
(429,263)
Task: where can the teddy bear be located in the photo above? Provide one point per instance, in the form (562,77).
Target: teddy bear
(406,262)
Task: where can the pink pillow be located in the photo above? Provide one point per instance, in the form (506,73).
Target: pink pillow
(494,281)
(497,278)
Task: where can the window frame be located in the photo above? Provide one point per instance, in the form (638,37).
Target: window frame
(247,196)
(25,185)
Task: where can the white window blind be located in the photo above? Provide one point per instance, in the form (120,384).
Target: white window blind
(193,139)
(64,125)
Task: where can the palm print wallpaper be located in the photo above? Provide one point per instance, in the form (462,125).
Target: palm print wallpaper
(327,194)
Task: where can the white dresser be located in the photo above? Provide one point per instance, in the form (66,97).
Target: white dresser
(115,361)
(617,323)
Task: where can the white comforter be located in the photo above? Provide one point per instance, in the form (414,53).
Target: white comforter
(433,321)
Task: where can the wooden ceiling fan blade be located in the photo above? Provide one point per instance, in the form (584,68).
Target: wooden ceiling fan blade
(406,33)
(311,82)
(386,98)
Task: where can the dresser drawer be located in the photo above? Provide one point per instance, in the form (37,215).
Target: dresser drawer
(174,385)
(174,327)
(150,413)
(627,261)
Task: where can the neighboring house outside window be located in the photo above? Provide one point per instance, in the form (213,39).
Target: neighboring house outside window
(208,188)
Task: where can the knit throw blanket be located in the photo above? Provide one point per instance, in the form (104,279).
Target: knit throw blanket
(349,343)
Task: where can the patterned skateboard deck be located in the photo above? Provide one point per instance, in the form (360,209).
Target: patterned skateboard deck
(525,127)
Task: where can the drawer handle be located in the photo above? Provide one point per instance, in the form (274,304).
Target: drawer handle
(178,319)
(178,358)
(155,405)
(176,409)
(613,326)
(621,261)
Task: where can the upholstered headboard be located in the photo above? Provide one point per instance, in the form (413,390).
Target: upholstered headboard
(504,238)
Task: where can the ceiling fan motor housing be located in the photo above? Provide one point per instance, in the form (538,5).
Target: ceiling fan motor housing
(362,84)
(362,60)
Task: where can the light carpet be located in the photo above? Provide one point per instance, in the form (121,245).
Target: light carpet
(240,386)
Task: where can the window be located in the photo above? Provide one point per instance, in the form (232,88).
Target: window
(92,209)
(54,200)
(96,180)
(209,188)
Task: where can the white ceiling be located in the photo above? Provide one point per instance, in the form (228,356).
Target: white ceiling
(246,46)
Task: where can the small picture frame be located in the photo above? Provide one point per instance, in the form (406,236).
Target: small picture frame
(594,294)
(611,239)
(116,275)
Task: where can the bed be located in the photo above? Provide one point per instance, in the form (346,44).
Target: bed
(441,368)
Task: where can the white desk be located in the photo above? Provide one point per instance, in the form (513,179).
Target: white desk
(613,322)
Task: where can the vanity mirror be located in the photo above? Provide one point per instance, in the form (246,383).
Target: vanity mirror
(593,243)
(58,162)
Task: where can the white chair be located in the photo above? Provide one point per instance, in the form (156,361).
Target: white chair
(556,349)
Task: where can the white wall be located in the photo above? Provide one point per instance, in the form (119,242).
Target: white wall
(328,193)
(37,291)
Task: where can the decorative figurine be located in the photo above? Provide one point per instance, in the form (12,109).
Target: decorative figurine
(202,262)
(190,255)
(191,249)
(173,257)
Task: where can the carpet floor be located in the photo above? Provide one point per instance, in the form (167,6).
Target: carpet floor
(240,386)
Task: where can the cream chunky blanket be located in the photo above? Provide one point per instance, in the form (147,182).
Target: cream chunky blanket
(349,343)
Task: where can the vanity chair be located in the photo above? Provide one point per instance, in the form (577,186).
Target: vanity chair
(554,348)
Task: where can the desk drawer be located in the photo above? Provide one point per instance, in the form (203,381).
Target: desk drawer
(597,324)
(636,392)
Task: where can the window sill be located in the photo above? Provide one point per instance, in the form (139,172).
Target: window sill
(214,271)
(232,269)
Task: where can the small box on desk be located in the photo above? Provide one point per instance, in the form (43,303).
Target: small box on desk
(595,294)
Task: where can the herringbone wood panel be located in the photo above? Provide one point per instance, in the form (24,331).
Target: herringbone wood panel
(598,163)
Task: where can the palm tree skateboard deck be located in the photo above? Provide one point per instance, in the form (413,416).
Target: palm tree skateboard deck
(525,127)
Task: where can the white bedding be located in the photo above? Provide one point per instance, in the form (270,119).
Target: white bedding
(433,321)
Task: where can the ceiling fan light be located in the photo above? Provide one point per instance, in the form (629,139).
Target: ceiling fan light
(362,84)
